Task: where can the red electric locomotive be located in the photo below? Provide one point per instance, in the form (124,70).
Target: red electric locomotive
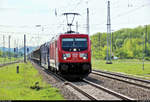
(70,54)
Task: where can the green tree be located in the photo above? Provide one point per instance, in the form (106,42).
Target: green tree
(1,53)
(127,43)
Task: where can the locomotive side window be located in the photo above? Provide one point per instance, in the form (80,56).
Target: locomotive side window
(80,44)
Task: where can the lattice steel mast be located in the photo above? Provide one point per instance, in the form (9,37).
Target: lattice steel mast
(108,58)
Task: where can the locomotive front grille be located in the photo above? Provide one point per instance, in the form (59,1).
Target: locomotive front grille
(75,56)
(75,68)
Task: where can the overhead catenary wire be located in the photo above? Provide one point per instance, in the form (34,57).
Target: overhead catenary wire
(77,5)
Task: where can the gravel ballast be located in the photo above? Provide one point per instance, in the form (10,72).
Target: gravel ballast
(129,90)
(67,92)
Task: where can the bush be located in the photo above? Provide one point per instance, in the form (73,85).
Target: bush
(147,58)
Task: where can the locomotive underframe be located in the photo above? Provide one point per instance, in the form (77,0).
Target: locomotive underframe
(75,68)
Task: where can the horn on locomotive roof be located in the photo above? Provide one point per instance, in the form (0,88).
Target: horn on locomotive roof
(70,24)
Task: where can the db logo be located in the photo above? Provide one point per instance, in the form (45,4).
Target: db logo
(74,55)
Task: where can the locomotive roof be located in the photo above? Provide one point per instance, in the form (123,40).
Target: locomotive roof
(67,34)
(75,34)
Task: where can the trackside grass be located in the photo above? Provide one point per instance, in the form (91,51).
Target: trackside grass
(127,66)
(26,85)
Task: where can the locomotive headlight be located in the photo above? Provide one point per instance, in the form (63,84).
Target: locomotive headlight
(84,55)
(65,56)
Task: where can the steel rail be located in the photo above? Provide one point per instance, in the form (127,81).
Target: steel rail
(72,85)
(81,91)
(108,90)
(129,82)
(93,84)
(68,83)
(124,76)
(1,65)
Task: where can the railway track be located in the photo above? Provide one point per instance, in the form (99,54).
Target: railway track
(130,80)
(108,90)
(86,88)
(1,65)
(115,95)
(70,84)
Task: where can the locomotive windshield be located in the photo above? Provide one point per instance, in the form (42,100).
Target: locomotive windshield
(69,44)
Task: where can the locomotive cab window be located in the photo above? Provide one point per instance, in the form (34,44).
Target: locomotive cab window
(69,44)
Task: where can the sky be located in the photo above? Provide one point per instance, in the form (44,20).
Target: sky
(19,17)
